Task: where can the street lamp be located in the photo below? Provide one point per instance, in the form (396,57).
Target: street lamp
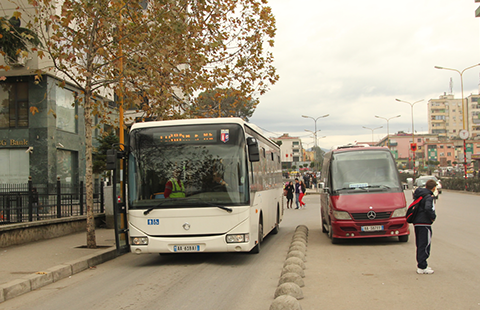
(414,149)
(315,132)
(465,116)
(372,129)
(388,131)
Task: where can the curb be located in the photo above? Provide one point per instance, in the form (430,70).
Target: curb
(39,279)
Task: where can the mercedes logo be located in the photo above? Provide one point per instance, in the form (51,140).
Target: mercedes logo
(186,226)
(371,215)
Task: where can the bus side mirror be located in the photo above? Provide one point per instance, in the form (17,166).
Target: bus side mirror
(253,152)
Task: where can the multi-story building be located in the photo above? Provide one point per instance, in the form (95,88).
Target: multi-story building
(291,150)
(42,132)
(445,116)
(473,106)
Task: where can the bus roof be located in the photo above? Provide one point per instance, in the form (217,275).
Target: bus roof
(191,121)
(198,121)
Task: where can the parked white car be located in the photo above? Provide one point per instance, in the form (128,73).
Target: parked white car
(421,181)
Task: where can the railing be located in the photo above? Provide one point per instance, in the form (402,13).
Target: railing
(26,202)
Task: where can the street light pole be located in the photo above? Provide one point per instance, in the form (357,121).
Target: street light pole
(413,131)
(388,130)
(372,129)
(315,132)
(465,116)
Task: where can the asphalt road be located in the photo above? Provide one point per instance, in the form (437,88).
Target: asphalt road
(358,274)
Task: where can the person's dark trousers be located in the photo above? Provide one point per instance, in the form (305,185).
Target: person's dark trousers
(423,240)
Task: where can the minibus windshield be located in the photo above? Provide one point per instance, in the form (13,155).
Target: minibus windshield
(364,170)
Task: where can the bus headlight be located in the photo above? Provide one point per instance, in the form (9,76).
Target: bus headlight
(341,215)
(236,238)
(139,240)
(400,212)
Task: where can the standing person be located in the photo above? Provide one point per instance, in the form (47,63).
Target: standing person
(314,181)
(289,188)
(305,179)
(302,193)
(298,189)
(174,187)
(423,225)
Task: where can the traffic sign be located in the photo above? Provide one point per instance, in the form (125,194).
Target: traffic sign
(464,134)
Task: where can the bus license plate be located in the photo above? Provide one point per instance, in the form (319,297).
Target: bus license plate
(372,228)
(186,248)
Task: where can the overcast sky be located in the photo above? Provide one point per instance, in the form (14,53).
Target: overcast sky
(351,59)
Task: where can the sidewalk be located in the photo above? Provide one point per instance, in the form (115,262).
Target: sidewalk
(24,268)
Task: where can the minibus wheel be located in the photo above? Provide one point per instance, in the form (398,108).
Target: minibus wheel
(324,229)
(330,235)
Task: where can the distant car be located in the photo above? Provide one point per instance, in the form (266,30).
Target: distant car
(421,181)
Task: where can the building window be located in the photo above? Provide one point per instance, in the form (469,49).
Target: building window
(15,167)
(14,105)
(66,110)
(67,166)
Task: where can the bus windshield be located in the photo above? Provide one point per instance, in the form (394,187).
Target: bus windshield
(362,170)
(208,160)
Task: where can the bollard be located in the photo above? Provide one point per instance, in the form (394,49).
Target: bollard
(293,268)
(289,288)
(285,302)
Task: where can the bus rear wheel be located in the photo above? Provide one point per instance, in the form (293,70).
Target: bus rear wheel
(256,249)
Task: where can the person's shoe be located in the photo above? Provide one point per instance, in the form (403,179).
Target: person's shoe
(427,270)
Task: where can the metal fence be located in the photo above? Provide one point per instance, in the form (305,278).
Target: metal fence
(27,202)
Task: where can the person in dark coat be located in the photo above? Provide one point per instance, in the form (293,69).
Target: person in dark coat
(423,225)
(289,188)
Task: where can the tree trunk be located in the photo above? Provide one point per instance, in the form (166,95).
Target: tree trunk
(91,242)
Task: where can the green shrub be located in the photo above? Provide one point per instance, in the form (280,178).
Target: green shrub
(473,184)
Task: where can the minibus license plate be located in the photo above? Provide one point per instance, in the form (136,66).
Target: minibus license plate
(372,228)
(186,248)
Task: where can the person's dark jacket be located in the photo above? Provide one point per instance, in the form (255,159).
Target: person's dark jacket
(290,191)
(426,213)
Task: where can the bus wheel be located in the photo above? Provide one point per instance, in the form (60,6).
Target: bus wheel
(277,226)
(256,249)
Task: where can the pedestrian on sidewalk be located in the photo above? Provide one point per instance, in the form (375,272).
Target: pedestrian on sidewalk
(303,188)
(297,193)
(289,188)
(423,225)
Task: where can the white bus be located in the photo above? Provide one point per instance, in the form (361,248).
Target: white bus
(230,214)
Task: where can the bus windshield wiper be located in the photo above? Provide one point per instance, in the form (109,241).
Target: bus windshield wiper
(155,206)
(229,210)
(146,212)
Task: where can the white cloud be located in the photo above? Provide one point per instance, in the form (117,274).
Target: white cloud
(352,59)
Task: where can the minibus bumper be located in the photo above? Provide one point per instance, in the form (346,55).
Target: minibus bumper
(348,229)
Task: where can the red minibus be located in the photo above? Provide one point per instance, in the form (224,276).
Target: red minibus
(362,195)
